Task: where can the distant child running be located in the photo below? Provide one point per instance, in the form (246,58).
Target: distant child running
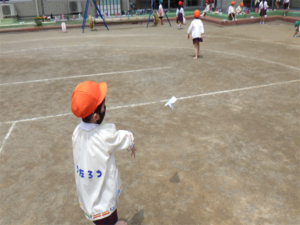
(263,11)
(207,9)
(197,30)
(97,178)
(179,14)
(231,11)
(297,29)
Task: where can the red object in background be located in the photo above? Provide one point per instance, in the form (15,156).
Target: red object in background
(256,10)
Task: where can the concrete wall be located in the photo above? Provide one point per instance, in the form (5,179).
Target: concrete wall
(295,4)
(224,4)
(56,7)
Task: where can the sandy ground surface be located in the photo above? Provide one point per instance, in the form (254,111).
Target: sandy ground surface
(227,154)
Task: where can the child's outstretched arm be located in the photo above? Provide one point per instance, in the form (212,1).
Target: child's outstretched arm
(190,29)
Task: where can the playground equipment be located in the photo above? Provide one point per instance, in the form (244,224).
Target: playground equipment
(85,14)
(155,20)
(93,21)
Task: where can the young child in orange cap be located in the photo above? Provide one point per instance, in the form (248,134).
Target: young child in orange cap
(207,9)
(239,9)
(231,11)
(94,144)
(179,14)
(197,30)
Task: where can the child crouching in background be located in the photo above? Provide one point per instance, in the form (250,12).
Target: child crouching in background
(197,30)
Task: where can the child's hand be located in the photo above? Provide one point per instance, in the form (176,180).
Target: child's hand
(133,152)
(188,36)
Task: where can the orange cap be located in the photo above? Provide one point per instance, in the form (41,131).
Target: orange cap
(180,3)
(86,97)
(232,3)
(241,4)
(196,13)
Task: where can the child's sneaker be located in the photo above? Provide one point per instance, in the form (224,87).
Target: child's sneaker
(232,19)
(178,27)
(235,19)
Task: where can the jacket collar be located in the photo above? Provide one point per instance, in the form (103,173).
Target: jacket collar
(88,126)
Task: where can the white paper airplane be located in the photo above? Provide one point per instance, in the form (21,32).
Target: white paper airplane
(171,102)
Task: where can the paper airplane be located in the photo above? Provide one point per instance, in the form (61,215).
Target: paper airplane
(171,102)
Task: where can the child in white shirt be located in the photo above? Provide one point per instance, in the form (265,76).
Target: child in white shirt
(263,10)
(94,144)
(231,11)
(239,9)
(207,8)
(197,30)
(179,14)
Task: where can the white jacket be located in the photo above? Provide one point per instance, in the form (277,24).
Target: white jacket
(196,28)
(180,11)
(96,175)
(264,5)
(207,8)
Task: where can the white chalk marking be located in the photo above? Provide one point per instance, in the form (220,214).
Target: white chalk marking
(149,46)
(162,101)
(136,35)
(81,37)
(245,39)
(7,135)
(79,76)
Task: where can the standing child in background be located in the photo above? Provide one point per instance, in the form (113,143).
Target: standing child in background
(97,178)
(212,5)
(179,14)
(239,9)
(286,6)
(277,4)
(231,11)
(263,11)
(197,30)
(207,8)
(160,12)
(297,29)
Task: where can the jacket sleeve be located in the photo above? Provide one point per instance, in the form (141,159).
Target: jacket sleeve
(120,140)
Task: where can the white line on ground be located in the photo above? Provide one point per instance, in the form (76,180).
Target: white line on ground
(137,35)
(7,135)
(162,101)
(246,39)
(81,37)
(149,46)
(79,76)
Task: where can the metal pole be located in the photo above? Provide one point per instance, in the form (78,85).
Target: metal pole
(42,4)
(169,5)
(37,8)
(272,4)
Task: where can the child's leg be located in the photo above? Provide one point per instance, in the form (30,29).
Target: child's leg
(196,49)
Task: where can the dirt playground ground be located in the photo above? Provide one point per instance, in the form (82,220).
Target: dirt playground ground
(228,154)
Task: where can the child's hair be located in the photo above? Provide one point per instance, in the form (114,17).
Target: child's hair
(97,110)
